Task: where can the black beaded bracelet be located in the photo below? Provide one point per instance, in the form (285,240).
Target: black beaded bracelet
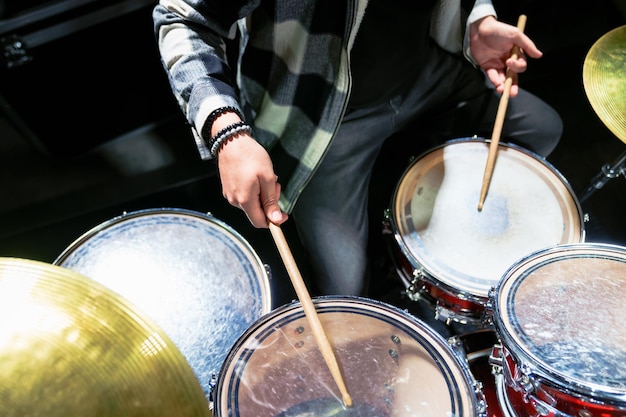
(229,131)
(208,124)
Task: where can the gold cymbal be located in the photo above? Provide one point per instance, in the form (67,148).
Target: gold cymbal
(604,79)
(71,347)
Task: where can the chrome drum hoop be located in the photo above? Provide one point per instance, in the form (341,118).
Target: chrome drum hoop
(384,355)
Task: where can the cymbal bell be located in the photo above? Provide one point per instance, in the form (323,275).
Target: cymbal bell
(604,79)
(71,347)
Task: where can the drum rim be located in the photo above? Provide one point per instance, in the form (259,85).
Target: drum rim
(423,264)
(93,231)
(443,346)
(526,359)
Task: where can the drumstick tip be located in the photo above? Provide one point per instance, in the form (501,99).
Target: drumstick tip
(347,400)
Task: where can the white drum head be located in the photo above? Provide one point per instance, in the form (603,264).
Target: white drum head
(193,274)
(529,206)
(392,364)
(560,311)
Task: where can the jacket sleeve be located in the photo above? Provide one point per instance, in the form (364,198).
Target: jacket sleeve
(449,29)
(481,9)
(191,37)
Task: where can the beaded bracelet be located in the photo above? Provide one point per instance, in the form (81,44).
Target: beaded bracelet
(223,135)
(208,124)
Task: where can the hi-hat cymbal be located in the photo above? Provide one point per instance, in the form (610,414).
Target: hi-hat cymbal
(71,347)
(604,79)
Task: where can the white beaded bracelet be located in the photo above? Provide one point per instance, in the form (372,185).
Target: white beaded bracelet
(223,135)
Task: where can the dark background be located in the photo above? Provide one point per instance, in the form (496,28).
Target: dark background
(89,128)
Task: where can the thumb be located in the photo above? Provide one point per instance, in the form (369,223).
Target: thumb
(274,214)
(270,204)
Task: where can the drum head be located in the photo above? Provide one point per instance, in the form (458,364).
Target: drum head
(392,364)
(561,312)
(194,275)
(528,207)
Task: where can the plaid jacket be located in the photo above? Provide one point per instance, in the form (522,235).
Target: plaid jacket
(294,100)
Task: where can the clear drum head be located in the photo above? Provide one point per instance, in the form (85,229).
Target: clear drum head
(191,273)
(529,206)
(392,365)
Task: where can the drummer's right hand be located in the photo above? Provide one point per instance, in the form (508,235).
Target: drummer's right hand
(248,180)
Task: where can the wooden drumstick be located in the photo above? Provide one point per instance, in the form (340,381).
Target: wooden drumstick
(497,127)
(309,311)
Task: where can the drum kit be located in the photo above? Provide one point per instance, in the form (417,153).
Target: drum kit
(130,319)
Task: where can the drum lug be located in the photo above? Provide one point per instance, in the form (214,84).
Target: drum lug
(444,314)
(521,382)
(415,288)
(495,358)
(456,344)
(499,365)
(525,382)
(481,401)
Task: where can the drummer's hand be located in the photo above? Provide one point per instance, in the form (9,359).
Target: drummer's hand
(491,43)
(248,180)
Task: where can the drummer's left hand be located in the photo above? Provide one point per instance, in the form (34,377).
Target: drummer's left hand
(491,43)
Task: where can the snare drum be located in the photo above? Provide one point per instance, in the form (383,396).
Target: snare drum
(560,314)
(453,254)
(392,365)
(194,275)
